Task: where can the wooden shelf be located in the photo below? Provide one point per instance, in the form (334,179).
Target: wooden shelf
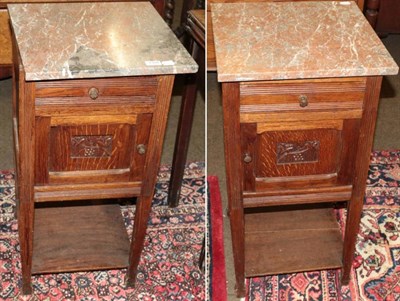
(280,242)
(79,238)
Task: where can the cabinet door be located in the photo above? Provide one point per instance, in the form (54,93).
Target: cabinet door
(295,156)
(92,151)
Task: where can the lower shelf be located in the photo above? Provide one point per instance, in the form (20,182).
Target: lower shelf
(280,242)
(79,238)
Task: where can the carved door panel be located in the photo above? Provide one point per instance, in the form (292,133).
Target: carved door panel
(315,153)
(93,151)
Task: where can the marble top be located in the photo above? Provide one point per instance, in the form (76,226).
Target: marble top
(86,40)
(295,40)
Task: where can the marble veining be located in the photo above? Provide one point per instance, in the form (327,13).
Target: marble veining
(86,40)
(294,40)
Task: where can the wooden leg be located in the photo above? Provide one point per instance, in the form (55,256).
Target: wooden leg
(183,133)
(237,232)
(355,205)
(25,229)
(182,142)
(23,93)
(169,10)
(230,102)
(25,172)
(143,207)
(186,6)
(354,210)
(202,254)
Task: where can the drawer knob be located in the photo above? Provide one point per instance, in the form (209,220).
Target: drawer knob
(141,149)
(247,158)
(93,93)
(303,100)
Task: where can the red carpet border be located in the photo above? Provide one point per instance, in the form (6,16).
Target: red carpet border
(217,279)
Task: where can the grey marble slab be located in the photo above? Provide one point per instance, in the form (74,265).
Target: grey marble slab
(86,40)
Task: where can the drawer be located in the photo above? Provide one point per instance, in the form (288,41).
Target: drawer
(87,95)
(127,86)
(87,98)
(302,95)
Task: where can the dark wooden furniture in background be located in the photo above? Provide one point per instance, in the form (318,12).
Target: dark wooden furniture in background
(297,135)
(187,6)
(88,138)
(383,15)
(196,30)
(211,60)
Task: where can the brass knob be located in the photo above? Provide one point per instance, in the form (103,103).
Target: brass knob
(303,100)
(247,158)
(141,149)
(93,93)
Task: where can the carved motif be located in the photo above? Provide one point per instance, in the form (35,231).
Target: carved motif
(91,146)
(303,152)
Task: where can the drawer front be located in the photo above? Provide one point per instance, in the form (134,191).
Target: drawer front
(302,96)
(92,151)
(93,97)
(106,87)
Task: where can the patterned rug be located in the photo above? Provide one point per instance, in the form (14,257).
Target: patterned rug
(168,269)
(376,273)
